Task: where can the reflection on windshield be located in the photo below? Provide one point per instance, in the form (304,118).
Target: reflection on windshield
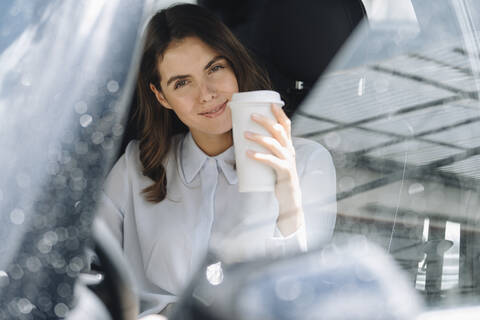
(402,123)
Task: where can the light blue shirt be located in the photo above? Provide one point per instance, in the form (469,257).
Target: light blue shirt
(165,242)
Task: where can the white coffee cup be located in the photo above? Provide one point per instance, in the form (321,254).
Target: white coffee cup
(253,176)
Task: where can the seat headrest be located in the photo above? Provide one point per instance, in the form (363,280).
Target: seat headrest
(301,37)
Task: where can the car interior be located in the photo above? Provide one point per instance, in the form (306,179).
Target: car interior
(388,87)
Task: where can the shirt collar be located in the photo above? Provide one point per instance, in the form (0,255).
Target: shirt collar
(193,158)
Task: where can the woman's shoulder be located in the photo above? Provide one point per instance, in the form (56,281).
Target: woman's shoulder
(306,147)
(132,151)
(132,148)
(126,162)
(131,156)
(311,154)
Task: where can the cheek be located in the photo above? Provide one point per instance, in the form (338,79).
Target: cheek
(235,84)
(181,105)
(226,81)
(233,81)
(229,118)
(229,83)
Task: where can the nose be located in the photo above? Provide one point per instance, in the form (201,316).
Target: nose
(208,92)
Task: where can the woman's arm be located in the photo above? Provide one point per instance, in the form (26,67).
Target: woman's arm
(110,213)
(318,183)
(114,199)
(282,160)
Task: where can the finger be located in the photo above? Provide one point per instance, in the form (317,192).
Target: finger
(282,119)
(277,164)
(268,143)
(273,127)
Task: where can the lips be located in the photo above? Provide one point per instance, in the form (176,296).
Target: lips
(215,112)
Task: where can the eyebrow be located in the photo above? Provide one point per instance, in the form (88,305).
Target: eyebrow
(183,76)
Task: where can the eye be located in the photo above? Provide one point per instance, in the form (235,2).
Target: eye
(216,68)
(180,83)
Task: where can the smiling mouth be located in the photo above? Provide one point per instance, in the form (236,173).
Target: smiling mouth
(215,111)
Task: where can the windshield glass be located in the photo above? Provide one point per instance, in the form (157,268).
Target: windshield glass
(385,150)
(398,108)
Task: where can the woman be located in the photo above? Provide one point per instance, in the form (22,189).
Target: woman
(172,196)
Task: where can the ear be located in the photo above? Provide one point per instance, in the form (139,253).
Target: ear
(160,97)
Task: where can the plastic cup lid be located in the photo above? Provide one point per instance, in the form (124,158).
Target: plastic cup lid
(263,96)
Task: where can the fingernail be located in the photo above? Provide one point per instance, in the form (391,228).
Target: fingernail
(255,116)
(250,152)
(248,134)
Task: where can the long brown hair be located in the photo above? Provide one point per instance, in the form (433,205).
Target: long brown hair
(158,124)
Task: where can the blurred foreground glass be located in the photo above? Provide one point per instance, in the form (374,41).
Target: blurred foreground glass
(65,82)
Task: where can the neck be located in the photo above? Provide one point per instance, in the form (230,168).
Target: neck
(213,144)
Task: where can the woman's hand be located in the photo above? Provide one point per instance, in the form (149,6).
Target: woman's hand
(282,160)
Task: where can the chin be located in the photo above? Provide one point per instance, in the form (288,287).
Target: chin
(225,126)
(221,131)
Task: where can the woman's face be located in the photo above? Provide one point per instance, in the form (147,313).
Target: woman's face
(196,83)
